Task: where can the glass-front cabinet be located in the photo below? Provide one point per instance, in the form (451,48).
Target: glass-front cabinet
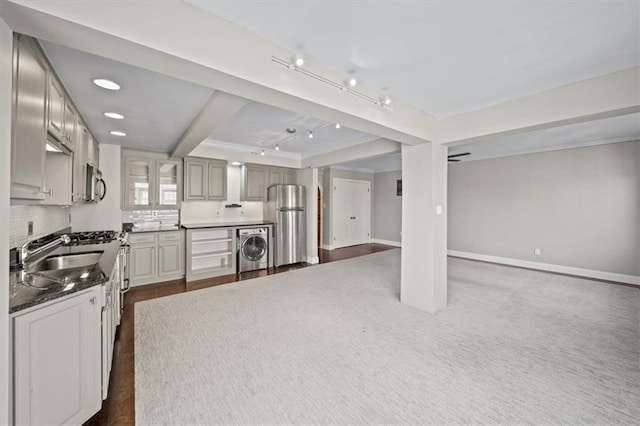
(139,178)
(168,174)
(151,184)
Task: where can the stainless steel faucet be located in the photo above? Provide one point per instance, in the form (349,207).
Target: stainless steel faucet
(25,253)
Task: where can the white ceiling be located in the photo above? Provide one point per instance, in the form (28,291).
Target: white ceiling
(157,109)
(446,58)
(262,127)
(610,130)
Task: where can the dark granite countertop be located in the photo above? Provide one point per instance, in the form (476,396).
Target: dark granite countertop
(226,224)
(22,296)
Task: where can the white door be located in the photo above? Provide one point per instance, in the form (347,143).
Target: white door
(360,212)
(351,212)
(341,213)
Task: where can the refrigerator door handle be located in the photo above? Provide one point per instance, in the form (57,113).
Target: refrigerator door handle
(291,209)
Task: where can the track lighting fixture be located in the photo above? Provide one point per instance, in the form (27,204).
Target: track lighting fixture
(385,100)
(352,82)
(277,147)
(310,134)
(262,153)
(337,125)
(299,61)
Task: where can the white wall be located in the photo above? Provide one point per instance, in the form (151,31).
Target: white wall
(106,214)
(579,206)
(387,207)
(6,64)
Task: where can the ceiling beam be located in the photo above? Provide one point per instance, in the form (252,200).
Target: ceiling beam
(219,108)
(606,96)
(357,152)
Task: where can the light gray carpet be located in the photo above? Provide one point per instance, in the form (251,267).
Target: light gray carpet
(332,344)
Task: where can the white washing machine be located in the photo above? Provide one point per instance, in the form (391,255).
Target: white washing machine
(253,249)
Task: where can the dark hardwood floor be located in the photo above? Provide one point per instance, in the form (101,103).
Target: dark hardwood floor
(119,407)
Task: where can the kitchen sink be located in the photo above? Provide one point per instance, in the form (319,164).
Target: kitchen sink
(68,261)
(62,269)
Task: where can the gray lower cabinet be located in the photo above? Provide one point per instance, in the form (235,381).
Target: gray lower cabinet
(31,77)
(205,179)
(156,257)
(143,263)
(57,361)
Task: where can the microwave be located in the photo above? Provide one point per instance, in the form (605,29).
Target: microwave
(96,187)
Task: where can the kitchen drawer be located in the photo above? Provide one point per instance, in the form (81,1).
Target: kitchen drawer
(170,236)
(142,238)
(210,234)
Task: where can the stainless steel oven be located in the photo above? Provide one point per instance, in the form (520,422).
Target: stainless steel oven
(96,188)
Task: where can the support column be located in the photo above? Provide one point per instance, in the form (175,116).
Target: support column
(424,227)
(309,178)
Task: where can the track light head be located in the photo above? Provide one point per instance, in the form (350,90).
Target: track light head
(310,134)
(298,61)
(352,82)
(338,125)
(277,147)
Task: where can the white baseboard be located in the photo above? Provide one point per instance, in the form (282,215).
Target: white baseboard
(589,273)
(387,242)
(313,260)
(327,247)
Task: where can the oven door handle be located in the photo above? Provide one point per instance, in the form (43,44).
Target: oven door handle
(127,287)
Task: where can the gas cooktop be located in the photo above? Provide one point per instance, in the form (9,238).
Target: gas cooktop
(94,237)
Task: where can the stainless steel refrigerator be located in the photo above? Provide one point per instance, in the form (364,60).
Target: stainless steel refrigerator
(285,207)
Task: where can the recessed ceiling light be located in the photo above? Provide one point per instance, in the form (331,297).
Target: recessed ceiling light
(385,100)
(236,163)
(337,125)
(114,115)
(117,133)
(106,84)
(310,134)
(352,81)
(291,130)
(299,61)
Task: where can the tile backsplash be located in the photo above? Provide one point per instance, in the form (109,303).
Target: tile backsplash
(158,217)
(46,220)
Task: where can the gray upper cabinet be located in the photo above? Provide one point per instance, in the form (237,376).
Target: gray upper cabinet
(254,182)
(70,123)
(195,179)
(205,179)
(275,176)
(217,180)
(289,176)
(56,106)
(80,164)
(29,132)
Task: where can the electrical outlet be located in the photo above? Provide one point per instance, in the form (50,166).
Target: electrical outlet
(537,252)
(30,228)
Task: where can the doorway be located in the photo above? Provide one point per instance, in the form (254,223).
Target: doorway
(351,212)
